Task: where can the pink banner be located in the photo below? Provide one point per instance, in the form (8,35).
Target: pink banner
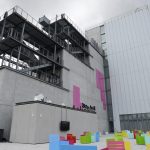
(100,83)
(76,97)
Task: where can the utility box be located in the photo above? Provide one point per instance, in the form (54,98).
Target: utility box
(33,122)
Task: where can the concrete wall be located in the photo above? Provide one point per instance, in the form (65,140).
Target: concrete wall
(32,123)
(15,87)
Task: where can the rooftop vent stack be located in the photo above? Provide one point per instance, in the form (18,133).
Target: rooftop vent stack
(44,21)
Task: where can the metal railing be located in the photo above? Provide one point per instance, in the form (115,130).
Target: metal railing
(33,21)
(34,46)
(76,41)
(30,19)
(71,22)
(25,68)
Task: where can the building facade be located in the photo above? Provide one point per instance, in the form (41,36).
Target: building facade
(49,57)
(126,42)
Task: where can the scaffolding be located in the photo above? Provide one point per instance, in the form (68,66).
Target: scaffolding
(35,47)
(75,42)
(26,47)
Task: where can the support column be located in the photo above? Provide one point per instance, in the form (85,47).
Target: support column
(55,31)
(67,39)
(84,45)
(84,58)
(19,52)
(61,77)
(49,29)
(22,33)
(54,59)
(3,59)
(19,48)
(4,23)
(55,50)
(10,58)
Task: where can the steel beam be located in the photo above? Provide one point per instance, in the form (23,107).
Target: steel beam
(3,57)
(4,24)
(10,58)
(19,49)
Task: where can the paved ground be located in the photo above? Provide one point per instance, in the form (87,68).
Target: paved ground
(101,144)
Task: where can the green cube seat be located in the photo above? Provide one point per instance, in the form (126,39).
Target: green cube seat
(85,139)
(140,140)
(118,138)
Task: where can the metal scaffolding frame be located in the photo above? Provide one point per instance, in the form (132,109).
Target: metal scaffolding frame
(35,47)
(26,47)
(74,41)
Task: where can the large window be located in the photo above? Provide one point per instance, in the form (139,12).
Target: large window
(139,121)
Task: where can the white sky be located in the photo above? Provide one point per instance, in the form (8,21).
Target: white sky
(85,13)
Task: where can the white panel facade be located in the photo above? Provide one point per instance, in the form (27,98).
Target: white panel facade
(127,47)
(128,50)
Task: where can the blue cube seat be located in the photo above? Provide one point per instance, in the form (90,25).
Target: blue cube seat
(56,144)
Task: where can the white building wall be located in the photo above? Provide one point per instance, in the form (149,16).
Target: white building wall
(15,87)
(128,50)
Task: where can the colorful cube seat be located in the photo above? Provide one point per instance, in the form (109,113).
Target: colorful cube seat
(88,137)
(93,138)
(148,147)
(78,147)
(62,138)
(127,145)
(140,140)
(137,132)
(71,138)
(118,145)
(109,139)
(85,139)
(125,133)
(118,134)
(118,138)
(56,144)
(147,139)
(130,135)
(97,136)
(115,145)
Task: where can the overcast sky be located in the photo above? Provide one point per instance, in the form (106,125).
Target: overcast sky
(85,13)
